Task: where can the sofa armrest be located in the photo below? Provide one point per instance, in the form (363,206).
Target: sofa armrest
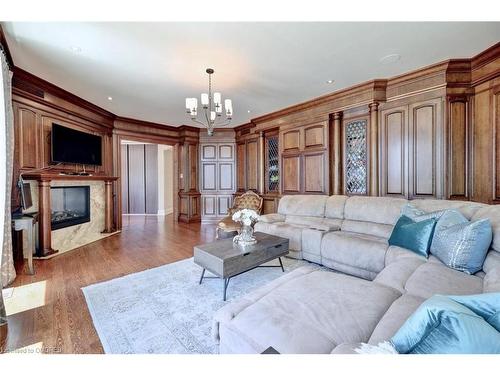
(272,218)
(325,227)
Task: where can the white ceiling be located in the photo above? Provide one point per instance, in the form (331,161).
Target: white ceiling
(149,68)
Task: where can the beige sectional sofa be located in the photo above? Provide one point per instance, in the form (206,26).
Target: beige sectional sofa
(375,289)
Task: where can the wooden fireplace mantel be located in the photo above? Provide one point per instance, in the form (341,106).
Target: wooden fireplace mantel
(46,176)
(44,204)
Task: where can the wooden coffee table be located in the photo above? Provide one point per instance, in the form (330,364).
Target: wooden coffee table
(226,259)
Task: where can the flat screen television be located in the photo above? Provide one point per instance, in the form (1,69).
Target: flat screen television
(73,146)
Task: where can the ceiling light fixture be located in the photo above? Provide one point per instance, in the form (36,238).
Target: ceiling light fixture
(389,59)
(248,111)
(330,81)
(212,107)
(110,98)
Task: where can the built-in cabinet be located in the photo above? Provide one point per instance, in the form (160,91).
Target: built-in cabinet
(304,159)
(217,175)
(412,149)
(189,196)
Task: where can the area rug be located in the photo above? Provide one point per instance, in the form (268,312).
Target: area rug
(164,309)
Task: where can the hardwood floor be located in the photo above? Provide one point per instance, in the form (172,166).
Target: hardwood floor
(63,324)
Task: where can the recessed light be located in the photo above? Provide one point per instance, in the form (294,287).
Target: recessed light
(330,81)
(389,59)
(110,98)
(75,49)
(248,111)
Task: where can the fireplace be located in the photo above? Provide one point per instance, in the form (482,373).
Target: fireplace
(70,205)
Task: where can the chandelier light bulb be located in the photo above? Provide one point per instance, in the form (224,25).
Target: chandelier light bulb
(204,100)
(212,116)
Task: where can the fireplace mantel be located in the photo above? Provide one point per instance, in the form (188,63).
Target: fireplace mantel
(46,176)
(44,205)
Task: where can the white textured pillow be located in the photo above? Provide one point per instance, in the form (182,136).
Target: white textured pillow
(384,347)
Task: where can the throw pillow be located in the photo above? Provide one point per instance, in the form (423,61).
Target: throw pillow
(452,325)
(463,246)
(415,236)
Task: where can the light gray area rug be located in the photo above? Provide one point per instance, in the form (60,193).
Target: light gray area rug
(164,309)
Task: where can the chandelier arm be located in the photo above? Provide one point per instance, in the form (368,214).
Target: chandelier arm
(199,122)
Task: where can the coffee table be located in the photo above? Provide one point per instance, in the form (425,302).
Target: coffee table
(226,259)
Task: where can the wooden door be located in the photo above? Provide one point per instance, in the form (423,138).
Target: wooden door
(425,177)
(394,151)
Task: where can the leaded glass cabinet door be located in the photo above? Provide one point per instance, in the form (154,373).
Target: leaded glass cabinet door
(356,161)
(272,164)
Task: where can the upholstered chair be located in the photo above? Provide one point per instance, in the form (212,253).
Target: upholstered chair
(226,227)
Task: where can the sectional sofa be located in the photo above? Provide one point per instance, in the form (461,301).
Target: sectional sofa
(368,289)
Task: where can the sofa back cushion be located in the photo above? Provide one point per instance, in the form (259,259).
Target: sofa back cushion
(335,206)
(381,210)
(366,227)
(303,220)
(468,209)
(493,213)
(303,205)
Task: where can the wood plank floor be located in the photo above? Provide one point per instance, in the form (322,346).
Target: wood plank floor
(63,324)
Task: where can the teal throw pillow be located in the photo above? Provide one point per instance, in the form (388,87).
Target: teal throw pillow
(452,325)
(413,235)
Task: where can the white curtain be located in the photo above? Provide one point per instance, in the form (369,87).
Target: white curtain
(7,270)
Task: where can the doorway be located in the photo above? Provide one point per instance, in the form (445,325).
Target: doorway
(146,178)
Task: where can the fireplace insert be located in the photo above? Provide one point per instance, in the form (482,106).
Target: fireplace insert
(70,205)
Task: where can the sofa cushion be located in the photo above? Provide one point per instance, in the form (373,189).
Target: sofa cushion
(395,317)
(354,249)
(303,220)
(434,278)
(291,231)
(396,274)
(303,205)
(492,213)
(313,313)
(468,209)
(380,210)
(334,208)
(395,253)
(415,236)
(366,227)
(271,218)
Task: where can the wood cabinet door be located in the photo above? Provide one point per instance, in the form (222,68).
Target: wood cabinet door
(315,136)
(290,140)
(394,151)
(208,176)
(315,173)
(425,149)
(291,165)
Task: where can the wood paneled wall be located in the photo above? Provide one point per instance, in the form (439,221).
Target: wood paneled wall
(432,133)
(37,104)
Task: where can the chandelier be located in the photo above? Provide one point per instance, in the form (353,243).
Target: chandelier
(212,108)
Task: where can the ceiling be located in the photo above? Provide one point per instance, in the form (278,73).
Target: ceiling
(150,68)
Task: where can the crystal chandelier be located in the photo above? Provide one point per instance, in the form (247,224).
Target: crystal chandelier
(212,107)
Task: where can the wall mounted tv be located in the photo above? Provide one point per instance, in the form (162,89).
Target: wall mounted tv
(73,146)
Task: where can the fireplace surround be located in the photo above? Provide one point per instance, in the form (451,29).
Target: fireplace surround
(70,205)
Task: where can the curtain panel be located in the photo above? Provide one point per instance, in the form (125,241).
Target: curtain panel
(7,270)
